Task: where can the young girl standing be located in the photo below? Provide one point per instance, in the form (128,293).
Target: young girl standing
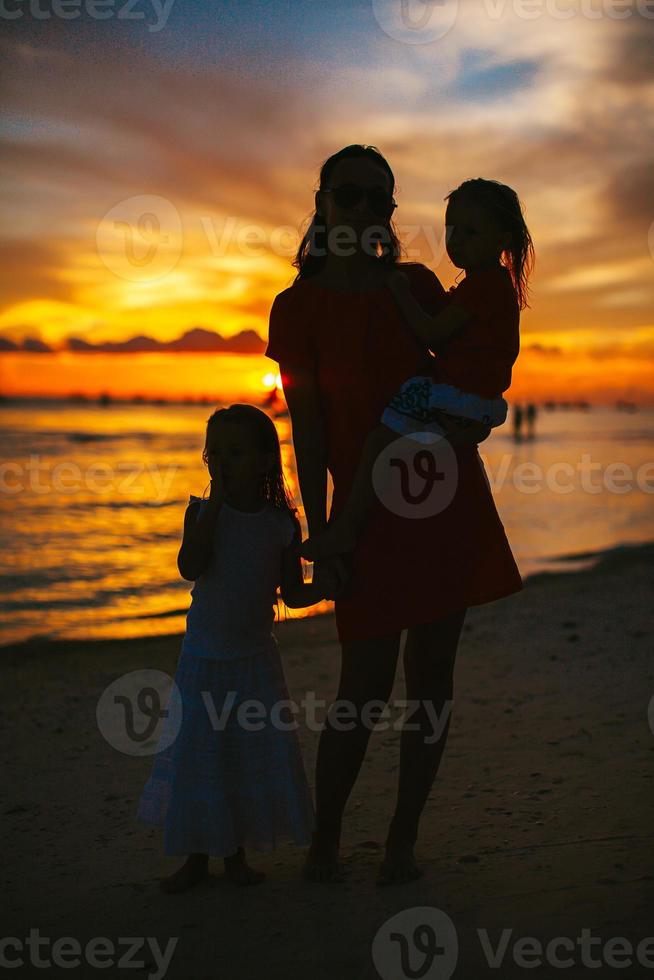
(476,339)
(233,778)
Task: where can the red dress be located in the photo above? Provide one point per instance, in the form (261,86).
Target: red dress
(404,571)
(479,359)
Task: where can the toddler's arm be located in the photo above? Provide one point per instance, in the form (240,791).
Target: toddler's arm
(432,330)
(197,542)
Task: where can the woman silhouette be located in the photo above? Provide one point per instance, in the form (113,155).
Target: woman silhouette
(343,349)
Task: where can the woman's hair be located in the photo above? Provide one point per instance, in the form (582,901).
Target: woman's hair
(312,253)
(504,206)
(273,484)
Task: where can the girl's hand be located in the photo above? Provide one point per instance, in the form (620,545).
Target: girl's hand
(331,575)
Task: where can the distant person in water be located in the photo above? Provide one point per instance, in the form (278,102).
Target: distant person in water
(476,338)
(531,419)
(517,421)
(217,789)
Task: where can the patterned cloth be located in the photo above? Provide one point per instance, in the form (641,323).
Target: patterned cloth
(417,404)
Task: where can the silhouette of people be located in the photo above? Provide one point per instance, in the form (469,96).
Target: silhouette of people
(517,421)
(531,413)
(319,336)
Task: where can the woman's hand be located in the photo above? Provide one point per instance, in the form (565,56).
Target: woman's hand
(331,575)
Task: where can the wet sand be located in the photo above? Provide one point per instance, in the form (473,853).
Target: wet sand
(539,823)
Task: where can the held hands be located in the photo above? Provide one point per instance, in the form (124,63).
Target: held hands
(330,575)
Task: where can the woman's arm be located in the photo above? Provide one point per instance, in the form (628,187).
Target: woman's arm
(310,446)
(309,442)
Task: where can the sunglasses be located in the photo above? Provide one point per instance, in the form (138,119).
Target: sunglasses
(348,195)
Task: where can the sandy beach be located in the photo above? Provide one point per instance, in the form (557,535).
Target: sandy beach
(539,823)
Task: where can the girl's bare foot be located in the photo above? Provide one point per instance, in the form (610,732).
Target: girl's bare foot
(321,863)
(195,870)
(337,539)
(238,871)
(399,864)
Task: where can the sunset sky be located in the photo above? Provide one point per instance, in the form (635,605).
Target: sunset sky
(212,119)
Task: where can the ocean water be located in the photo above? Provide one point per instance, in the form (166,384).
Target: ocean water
(92,500)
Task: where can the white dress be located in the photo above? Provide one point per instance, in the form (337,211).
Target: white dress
(232,778)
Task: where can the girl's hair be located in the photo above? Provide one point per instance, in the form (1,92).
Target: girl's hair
(312,253)
(273,484)
(504,206)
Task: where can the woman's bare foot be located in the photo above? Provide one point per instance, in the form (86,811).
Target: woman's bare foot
(238,871)
(399,865)
(337,539)
(321,862)
(195,870)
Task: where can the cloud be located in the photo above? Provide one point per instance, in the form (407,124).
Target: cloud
(632,61)
(543,349)
(561,110)
(629,192)
(31,268)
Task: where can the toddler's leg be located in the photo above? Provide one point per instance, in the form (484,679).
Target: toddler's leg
(341,534)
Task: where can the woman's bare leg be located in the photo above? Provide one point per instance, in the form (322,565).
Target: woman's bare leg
(367,673)
(341,534)
(429,656)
